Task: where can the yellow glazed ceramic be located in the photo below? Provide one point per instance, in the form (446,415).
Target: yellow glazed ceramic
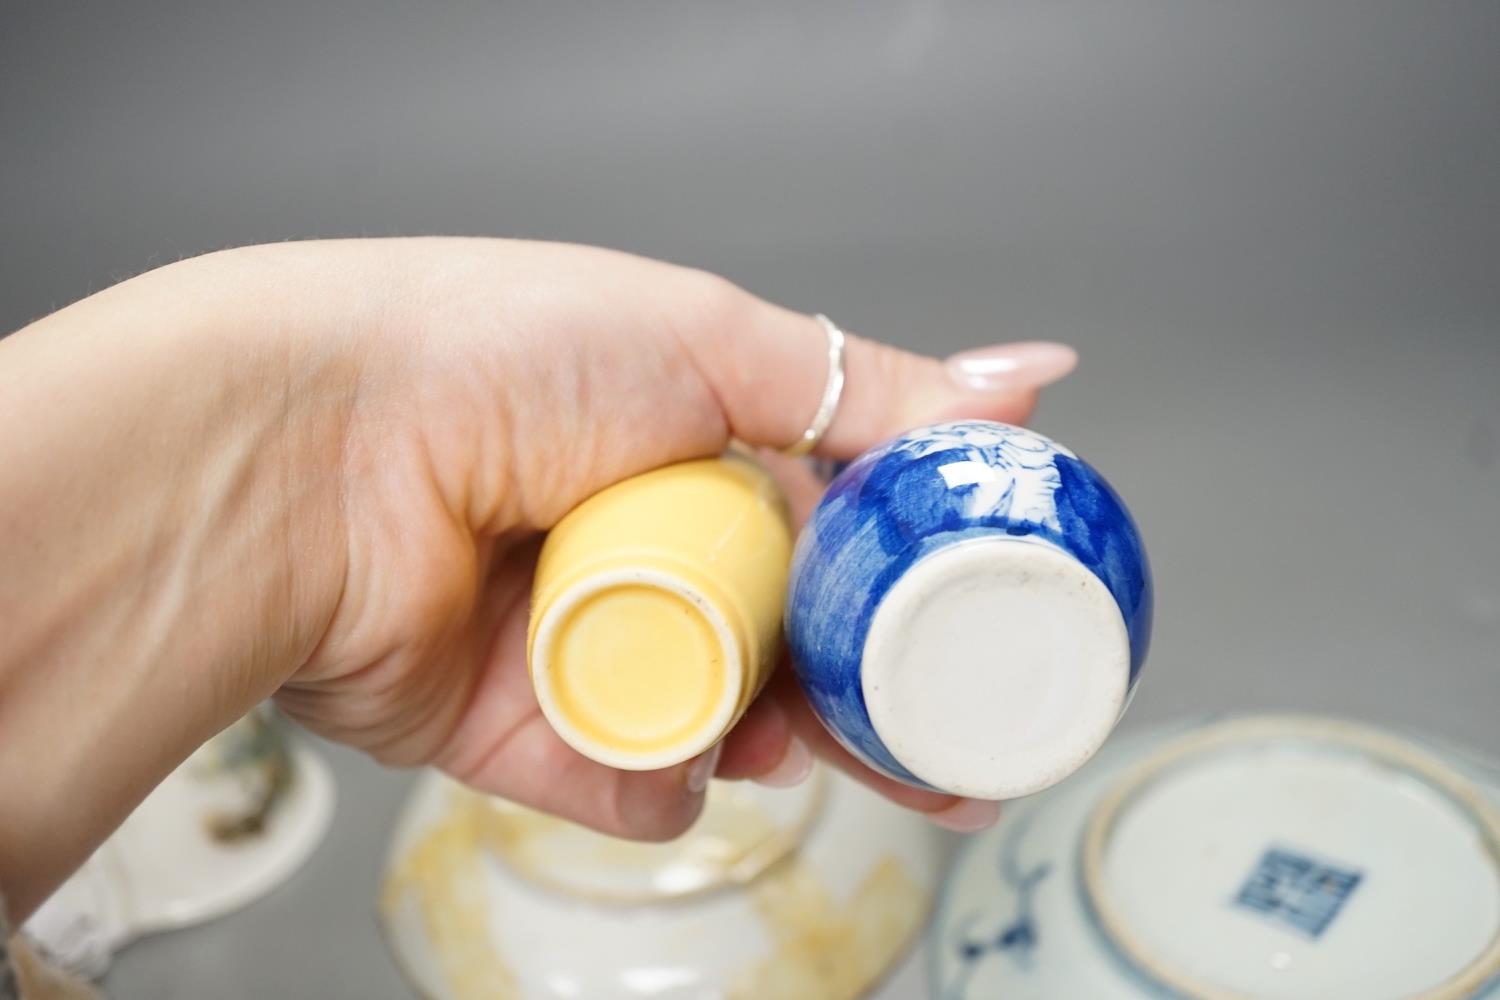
(656,612)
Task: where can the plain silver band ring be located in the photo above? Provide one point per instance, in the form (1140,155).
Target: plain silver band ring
(832,390)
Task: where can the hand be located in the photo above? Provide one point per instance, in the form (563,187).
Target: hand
(324,470)
(506,383)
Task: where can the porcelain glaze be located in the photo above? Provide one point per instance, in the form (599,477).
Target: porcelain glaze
(1021,575)
(812,891)
(1279,858)
(656,611)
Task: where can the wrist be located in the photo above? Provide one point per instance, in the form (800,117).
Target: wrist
(172,537)
(249,370)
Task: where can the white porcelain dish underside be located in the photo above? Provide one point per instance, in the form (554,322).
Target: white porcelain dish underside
(1283,858)
(814,891)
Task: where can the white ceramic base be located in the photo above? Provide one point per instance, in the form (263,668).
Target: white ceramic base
(1323,826)
(1280,858)
(161,870)
(813,891)
(996,667)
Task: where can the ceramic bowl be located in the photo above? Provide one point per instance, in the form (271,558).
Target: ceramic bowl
(1269,858)
(970,607)
(813,891)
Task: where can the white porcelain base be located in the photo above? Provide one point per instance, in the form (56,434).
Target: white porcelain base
(1318,847)
(996,667)
(1279,858)
(812,891)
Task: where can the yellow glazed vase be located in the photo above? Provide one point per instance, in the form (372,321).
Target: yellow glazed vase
(656,611)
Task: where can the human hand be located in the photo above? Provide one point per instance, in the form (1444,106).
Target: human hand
(325,469)
(505,383)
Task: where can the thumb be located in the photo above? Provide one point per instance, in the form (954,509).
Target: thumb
(769,368)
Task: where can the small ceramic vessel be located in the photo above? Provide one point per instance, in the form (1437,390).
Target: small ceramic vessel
(1261,858)
(656,611)
(813,891)
(970,608)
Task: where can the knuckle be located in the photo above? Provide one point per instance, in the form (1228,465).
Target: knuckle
(714,302)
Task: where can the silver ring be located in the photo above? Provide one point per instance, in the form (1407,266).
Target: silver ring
(832,390)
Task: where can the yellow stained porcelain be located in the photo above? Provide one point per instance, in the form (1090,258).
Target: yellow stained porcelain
(748,905)
(656,611)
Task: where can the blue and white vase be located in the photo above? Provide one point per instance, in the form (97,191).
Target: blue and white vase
(970,607)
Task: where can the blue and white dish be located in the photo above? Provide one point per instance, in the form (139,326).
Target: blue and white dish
(1257,858)
(969,610)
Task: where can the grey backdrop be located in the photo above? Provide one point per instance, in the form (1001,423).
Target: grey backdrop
(1273,230)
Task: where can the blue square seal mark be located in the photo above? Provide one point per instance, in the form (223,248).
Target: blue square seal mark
(1302,892)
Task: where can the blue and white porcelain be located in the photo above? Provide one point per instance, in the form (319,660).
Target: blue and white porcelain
(969,610)
(1256,858)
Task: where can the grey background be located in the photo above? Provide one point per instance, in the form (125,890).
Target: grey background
(1273,230)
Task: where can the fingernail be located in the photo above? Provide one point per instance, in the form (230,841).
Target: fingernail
(968,816)
(795,765)
(701,770)
(1028,365)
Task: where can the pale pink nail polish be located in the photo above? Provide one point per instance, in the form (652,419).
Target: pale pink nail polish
(796,764)
(1027,365)
(968,816)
